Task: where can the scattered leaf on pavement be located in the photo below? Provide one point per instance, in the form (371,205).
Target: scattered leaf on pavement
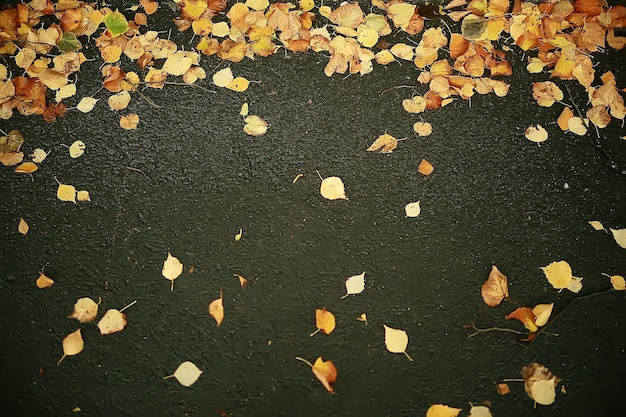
(324,321)
(216,309)
(325,372)
(172,268)
(73,344)
(396,341)
(186,374)
(495,288)
(355,284)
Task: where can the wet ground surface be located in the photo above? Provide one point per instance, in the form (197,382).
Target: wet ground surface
(494,198)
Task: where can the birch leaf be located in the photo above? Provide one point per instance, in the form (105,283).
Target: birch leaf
(355,284)
(73,344)
(617,281)
(172,268)
(85,310)
(83,196)
(385,143)
(66,193)
(77,149)
(396,341)
(559,274)
(186,374)
(255,126)
(442,410)
(542,313)
(332,188)
(43,281)
(113,321)
(26,168)
(536,134)
(413,209)
(39,155)
(479,411)
(620,236)
(86,104)
(324,371)
(324,321)
(596,225)
(540,383)
(495,288)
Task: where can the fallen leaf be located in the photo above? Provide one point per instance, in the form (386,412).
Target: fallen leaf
(39,155)
(425,167)
(355,284)
(239,235)
(596,225)
(495,288)
(396,341)
(119,101)
(73,344)
(422,128)
(324,321)
(223,77)
(536,134)
(503,388)
(325,372)
(43,281)
(83,196)
(22,227)
(77,149)
(86,104)
(412,209)
(620,236)
(542,313)
(85,310)
(546,93)
(186,374)
(363,318)
(130,121)
(559,274)
(575,285)
(442,410)
(113,321)
(479,411)
(242,280)
(116,23)
(244,109)
(216,309)
(26,168)
(239,84)
(617,281)
(385,143)
(332,189)
(540,383)
(255,126)
(526,316)
(172,268)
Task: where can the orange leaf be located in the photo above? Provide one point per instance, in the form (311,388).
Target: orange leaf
(326,372)
(426,167)
(216,310)
(495,288)
(324,321)
(563,119)
(526,316)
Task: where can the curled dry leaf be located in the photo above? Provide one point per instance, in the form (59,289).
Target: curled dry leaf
(325,372)
(332,189)
(73,344)
(355,284)
(412,209)
(186,374)
(495,288)
(540,383)
(85,310)
(559,274)
(542,313)
(363,318)
(239,235)
(216,309)
(172,268)
(26,168)
(255,126)
(43,281)
(526,316)
(396,341)
(22,227)
(546,93)
(324,321)
(243,282)
(442,410)
(130,121)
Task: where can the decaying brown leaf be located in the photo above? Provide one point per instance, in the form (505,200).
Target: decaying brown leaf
(540,383)
(495,288)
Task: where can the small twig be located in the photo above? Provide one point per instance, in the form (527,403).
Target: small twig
(129,305)
(395,88)
(492,329)
(140,171)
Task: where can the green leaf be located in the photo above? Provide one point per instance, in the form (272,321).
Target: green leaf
(116,23)
(68,42)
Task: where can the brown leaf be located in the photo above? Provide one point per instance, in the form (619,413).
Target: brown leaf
(526,316)
(495,288)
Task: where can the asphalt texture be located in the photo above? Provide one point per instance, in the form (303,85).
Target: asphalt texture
(493,198)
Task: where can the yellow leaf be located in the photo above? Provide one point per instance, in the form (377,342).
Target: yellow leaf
(52,79)
(559,274)
(73,344)
(223,77)
(86,104)
(242,280)
(324,321)
(77,149)
(385,143)
(66,193)
(536,134)
(366,36)
(257,4)
(423,128)
(239,235)
(255,126)
(66,91)
(413,209)
(39,155)
(216,309)
(186,374)
(172,268)
(130,121)
(620,236)
(542,313)
(332,189)
(306,5)
(617,281)
(83,196)
(113,321)
(396,341)
(425,167)
(22,227)
(85,310)
(384,57)
(442,410)
(596,225)
(220,29)
(119,101)
(540,383)
(403,51)
(239,84)
(179,62)
(355,284)
(26,168)
(363,318)
(43,281)
(495,288)
(416,104)
(244,110)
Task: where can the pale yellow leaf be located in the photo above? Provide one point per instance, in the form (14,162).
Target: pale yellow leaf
(442,410)
(332,188)
(86,104)
(66,193)
(255,126)
(244,110)
(396,340)
(559,274)
(413,209)
(172,268)
(39,155)
(238,84)
(119,101)
(216,309)
(77,148)
(620,236)
(186,374)
(83,196)
(542,313)
(355,284)
(223,77)
(22,227)
(596,225)
(536,134)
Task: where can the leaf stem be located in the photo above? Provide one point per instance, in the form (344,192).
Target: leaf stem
(407,355)
(305,361)
(129,305)
(315,332)
(168,377)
